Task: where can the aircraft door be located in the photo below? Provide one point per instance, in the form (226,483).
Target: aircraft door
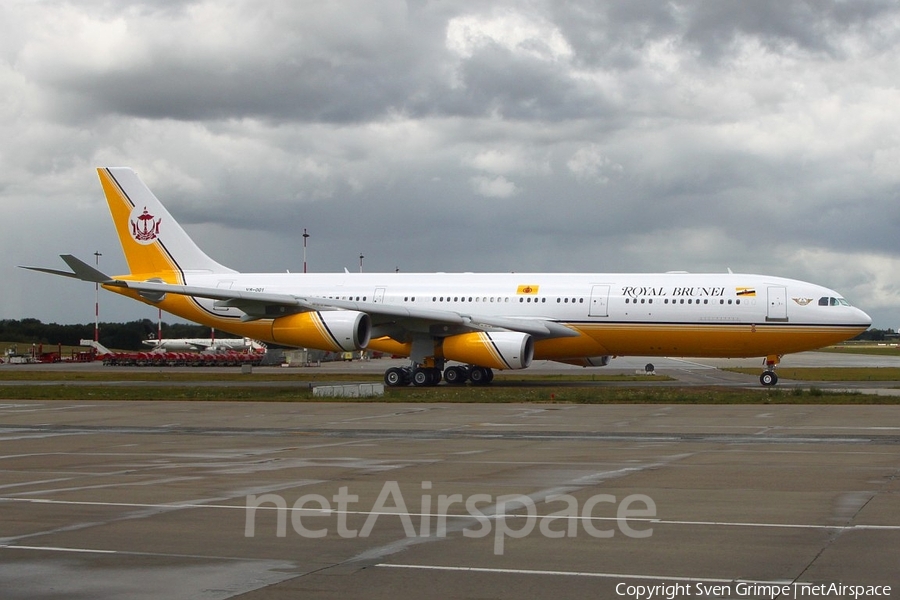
(378,297)
(599,301)
(777,305)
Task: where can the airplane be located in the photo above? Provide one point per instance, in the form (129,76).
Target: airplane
(202,344)
(484,321)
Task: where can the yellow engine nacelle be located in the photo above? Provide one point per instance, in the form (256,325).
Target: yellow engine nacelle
(495,350)
(335,330)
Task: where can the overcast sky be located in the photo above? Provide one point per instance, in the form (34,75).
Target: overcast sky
(635,135)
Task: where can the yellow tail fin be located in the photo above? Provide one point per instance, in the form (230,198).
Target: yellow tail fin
(155,245)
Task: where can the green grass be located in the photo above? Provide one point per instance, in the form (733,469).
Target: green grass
(288,386)
(167,374)
(636,395)
(491,394)
(288,375)
(864,349)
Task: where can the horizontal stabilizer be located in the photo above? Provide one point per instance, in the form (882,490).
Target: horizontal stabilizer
(85,271)
(80,270)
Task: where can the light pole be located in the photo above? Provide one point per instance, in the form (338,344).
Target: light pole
(97,256)
(305,236)
(361,257)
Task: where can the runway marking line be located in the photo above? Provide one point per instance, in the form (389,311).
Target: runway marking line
(631,576)
(57,549)
(329,512)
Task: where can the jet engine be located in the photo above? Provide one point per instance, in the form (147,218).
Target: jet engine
(334,330)
(495,350)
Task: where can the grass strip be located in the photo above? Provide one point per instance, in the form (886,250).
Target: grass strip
(493,394)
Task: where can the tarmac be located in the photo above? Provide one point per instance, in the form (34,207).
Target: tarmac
(366,500)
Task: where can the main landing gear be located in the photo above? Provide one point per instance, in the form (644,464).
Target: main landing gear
(422,376)
(768,377)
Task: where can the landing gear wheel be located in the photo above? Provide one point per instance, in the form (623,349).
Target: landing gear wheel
(426,377)
(421,377)
(768,378)
(455,375)
(480,376)
(395,377)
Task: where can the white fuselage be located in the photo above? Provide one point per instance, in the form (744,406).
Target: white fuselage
(615,314)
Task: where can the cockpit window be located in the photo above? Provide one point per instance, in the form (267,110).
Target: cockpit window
(827,301)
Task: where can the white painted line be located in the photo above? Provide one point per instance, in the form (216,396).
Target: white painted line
(689,364)
(585,574)
(325,512)
(57,549)
(123,504)
(769,525)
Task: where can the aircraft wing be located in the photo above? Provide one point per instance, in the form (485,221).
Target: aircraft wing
(384,313)
(388,317)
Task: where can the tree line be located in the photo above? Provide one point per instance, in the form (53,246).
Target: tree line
(117,336)
(877,335)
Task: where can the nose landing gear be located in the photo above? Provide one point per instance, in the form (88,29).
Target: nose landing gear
(768,377)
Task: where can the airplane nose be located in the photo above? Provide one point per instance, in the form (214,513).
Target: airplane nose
(862,318)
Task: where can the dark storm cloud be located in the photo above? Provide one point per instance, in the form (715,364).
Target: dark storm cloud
(815,25)
(618,135)
(283,69)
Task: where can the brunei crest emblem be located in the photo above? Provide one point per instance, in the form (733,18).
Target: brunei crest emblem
(144,226)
